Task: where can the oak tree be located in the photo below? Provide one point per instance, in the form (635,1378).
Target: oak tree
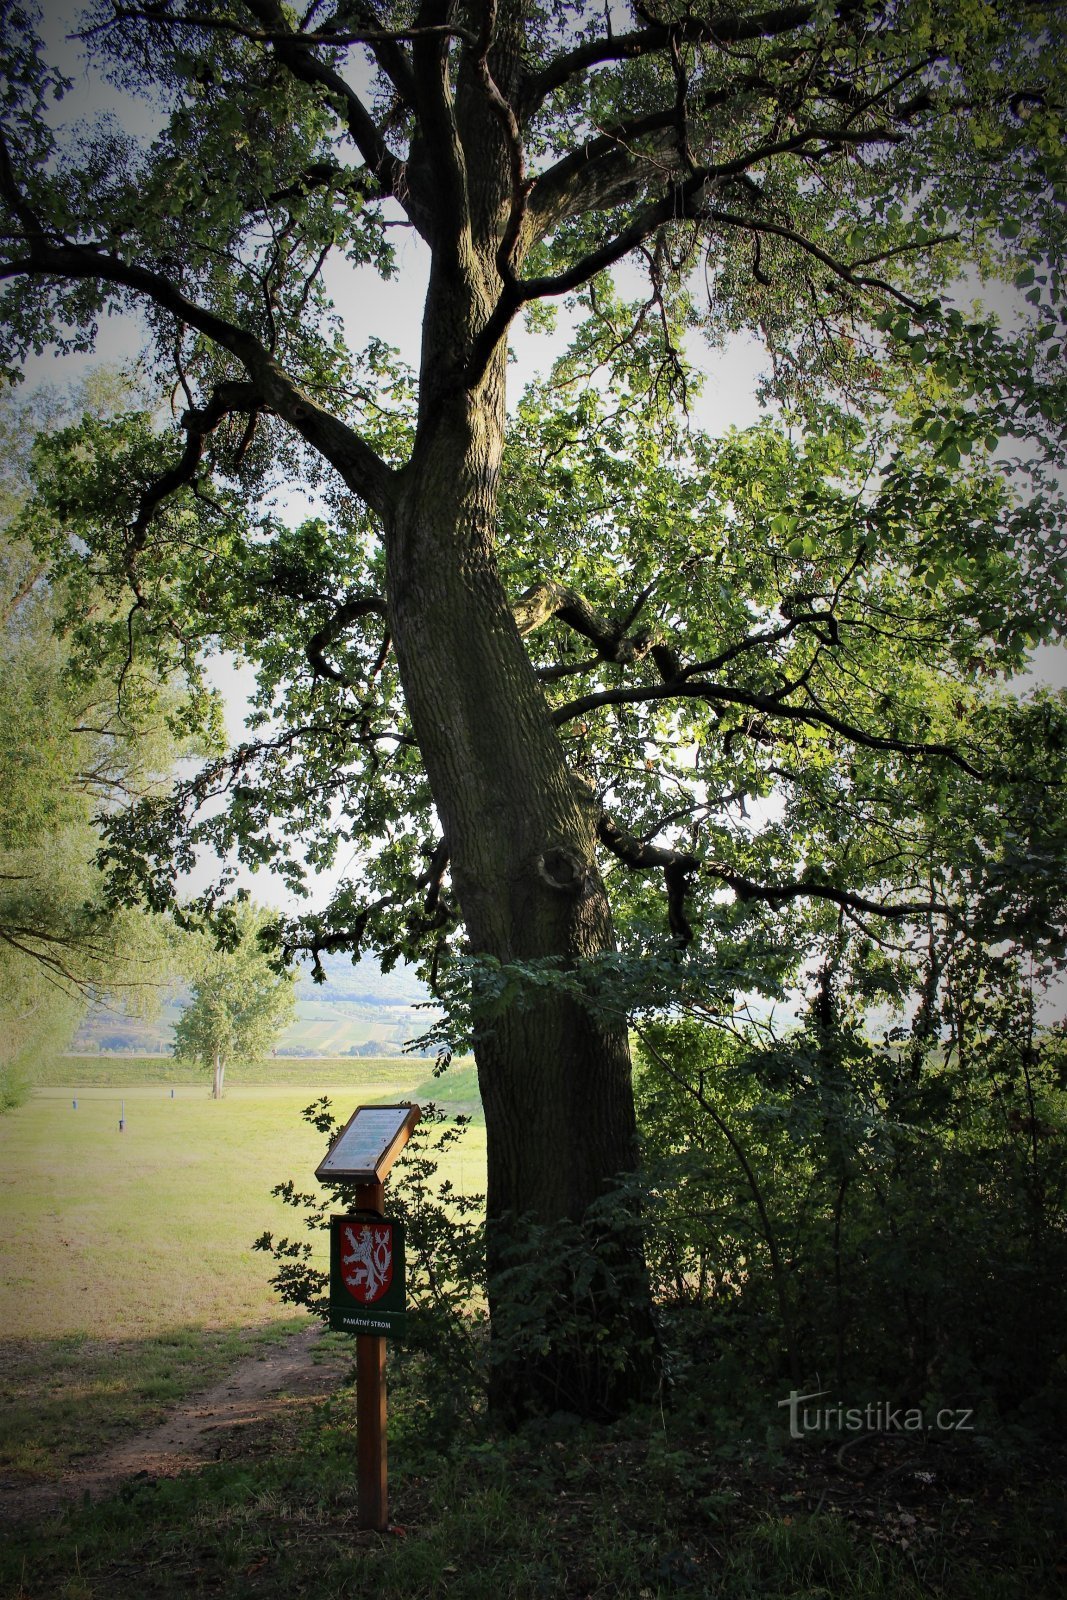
(537,668)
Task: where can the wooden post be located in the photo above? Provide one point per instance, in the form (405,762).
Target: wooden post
(371,1403)
(362,1153)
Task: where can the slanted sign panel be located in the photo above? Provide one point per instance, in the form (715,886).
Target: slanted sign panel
(369,1143)
(366,1276)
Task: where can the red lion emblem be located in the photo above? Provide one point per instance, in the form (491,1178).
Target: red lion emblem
(366,1260)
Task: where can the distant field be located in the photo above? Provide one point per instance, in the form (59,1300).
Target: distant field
(357,1005)
(126,1234)
(405,1077)
(376,1075)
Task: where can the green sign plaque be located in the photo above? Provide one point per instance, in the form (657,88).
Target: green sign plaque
(367,1276)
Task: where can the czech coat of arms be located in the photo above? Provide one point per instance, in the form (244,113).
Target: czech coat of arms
(367,1260)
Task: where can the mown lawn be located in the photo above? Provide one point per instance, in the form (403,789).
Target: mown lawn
(127,1274)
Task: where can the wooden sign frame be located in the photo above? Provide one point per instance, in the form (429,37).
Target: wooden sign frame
(368,1144)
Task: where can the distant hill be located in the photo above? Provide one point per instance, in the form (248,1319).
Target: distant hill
(358,1010)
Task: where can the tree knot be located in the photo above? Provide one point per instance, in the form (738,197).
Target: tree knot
(562,870)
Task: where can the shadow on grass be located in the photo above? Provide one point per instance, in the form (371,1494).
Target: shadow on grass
(67,1399)
(631,1513)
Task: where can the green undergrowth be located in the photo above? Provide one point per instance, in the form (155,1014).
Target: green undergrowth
(643,1510)
(65,1400)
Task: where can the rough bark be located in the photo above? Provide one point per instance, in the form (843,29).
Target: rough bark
(555,1079)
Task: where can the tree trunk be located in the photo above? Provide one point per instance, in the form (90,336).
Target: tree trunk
(555,1078)
(218,1073)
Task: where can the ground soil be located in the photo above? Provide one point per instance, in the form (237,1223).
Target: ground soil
(262,1391)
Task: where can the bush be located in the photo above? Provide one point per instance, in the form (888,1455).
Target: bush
(441,1362)
(891,1215)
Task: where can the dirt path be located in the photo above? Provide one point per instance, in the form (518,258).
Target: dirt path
(260,1389)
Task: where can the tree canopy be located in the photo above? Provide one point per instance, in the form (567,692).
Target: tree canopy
(609,709)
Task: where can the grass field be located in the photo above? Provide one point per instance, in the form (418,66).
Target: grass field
(127,1257)
(135,1232)
(128,1282)
(364,1075)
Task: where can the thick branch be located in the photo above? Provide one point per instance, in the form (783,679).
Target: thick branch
(386,44)
(439,144)
(816,620)
(198,425)
(543,601)
(841,269)
(681,200)
(298,56)
(720,30)
(362,469)
(804,889)
(686,199)
(677,867)
(505,115)
(769,705)
(369,31)
(347,613)
(606,167)
(435,913)
(323,175)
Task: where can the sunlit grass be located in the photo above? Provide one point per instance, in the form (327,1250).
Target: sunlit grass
(127,1274)
(126,1234)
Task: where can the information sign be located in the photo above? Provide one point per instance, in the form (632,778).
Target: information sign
(367,1276)
(367,1280)
(368,1144)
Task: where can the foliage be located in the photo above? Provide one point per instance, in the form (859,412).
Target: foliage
(937,1270)
(239,1002)
(766,567)
(443,1351)
(889,1217)
(559,1295)
(584,672)
(70,750)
